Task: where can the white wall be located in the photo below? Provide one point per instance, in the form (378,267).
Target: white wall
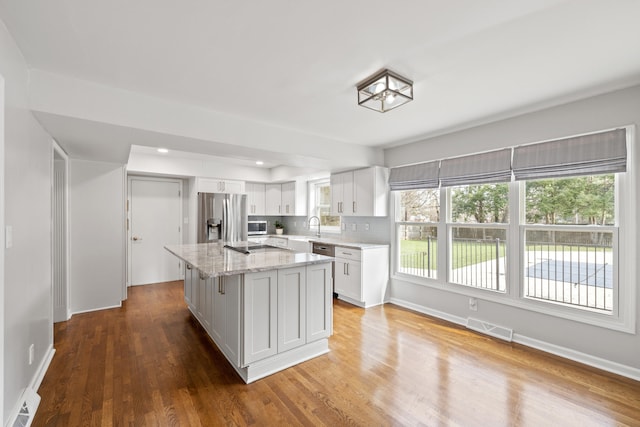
(599,346)
(96,235)
(27,309)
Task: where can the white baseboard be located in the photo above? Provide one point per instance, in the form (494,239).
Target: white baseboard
(462,321)
(567,353)
(42,369)
(576,356)
(97,309)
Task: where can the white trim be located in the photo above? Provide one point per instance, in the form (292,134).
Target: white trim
(2,244)
(127,222)
(36,381)
(567,353)
(462,321)
(577,356)
(97,309)
(55,148)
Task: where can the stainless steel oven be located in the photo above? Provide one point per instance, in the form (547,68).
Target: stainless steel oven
(256,228)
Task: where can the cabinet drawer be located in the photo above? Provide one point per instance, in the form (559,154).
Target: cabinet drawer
(348,253)
(277,241)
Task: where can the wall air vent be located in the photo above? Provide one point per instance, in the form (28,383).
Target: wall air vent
(490,329)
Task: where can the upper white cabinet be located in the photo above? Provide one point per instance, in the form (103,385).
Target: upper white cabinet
(212,185)
(288,199)
(273,197)
(362,192)
(256,198)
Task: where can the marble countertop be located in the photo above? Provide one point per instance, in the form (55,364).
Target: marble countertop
(213,259)
(328,241)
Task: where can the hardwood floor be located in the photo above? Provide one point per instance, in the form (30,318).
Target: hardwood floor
(150,364)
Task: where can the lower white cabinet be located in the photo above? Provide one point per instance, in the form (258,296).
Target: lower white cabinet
(361,275)
(292,308)
(225,328)
(319,301)
(260,315)
(266,321)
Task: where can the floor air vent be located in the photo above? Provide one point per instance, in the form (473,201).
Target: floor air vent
(27,410)
(489,329)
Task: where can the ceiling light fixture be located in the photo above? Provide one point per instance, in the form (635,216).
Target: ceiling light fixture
(259,162)
(163,150)
(385,91)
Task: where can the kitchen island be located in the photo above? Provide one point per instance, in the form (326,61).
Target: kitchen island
(265,310)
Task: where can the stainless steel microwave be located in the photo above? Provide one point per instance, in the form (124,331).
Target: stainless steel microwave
(256,228)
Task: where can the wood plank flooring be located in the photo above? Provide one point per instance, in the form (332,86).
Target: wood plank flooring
(150,364)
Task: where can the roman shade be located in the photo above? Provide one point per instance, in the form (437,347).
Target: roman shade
(598,153)
(493,166)
(413,177)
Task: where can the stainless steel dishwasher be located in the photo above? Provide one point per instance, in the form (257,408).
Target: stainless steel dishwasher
(327,250)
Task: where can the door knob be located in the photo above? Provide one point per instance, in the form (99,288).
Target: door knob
(136,238)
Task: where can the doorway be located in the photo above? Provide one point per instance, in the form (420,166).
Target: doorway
(59,240)
(155,212)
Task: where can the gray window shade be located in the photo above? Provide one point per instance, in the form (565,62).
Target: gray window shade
(599,153)
(423,175)
(494,166)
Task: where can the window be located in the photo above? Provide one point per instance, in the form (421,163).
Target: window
(569,241)
(536,226)
(478,235)
(320,205)
(417,229)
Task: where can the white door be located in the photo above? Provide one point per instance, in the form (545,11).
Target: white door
(155,212)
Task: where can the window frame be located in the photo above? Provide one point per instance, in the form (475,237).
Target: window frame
(313,206)
(623,316)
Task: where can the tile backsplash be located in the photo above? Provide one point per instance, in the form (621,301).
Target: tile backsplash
(354,229)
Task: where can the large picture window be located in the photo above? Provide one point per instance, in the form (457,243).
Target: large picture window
(570,239)
(535,224)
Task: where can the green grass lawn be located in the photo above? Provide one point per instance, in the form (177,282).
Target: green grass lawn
(468,253)
(464,253)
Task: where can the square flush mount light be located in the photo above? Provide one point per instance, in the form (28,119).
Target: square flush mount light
(385,91)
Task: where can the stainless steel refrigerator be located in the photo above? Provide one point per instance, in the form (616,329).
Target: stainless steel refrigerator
(222,217)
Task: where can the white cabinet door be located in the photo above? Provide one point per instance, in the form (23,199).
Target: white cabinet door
(351,279)
(212,185)
(231,290)
(319,302)
(256,198)
(260,315)
(225,326)
(291,308)
(273,204)
(289,198)
(337,182)
(300,246)
(363,196)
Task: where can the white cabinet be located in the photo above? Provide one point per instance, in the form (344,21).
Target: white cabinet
(204,304)
(288,199)
(256,198)
(212,185)
(260,315)
(225,328)
(348,273)
(363,192)
(273,199)
(361,276)
(341,193)
(292,308)
(319,311)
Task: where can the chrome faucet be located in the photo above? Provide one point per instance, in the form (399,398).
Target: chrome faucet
(318,233)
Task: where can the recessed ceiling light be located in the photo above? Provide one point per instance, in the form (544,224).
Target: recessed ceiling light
(163,150)
(259,162)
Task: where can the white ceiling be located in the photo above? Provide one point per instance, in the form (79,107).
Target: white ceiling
(293,65)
